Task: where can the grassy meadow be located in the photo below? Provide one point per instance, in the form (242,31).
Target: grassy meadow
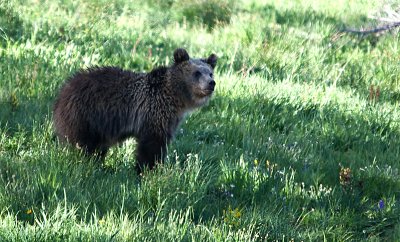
(301,141)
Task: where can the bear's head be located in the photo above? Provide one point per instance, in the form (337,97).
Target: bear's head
(196,76)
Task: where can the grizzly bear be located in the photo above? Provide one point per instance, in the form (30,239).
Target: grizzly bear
(102,106)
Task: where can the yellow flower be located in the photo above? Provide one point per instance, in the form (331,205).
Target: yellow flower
(256,162)
(102,221)
(237,213)
(29,211)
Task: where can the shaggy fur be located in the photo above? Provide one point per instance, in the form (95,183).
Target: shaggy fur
(101,107)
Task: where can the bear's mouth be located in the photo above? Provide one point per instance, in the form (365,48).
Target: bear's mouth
(199,92)
(206,92)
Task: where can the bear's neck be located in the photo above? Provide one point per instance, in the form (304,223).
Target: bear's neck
(181,92)
(170,88)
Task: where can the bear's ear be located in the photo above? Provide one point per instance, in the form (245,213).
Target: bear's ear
(180,55)
(212,60)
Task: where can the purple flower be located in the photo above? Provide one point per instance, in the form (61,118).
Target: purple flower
(381,204)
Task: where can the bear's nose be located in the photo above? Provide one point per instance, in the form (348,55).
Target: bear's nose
(212,84)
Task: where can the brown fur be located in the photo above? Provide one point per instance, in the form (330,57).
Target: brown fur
(101,107)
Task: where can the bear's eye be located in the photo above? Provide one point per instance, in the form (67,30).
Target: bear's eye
(211,75)
(197,74)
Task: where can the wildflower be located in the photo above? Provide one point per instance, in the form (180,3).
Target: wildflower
(345,176)
(256,162)
(237,213)
(29,211)
(102,221)
(232,216)
(381,204)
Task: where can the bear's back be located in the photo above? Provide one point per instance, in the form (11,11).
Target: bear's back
(91,98)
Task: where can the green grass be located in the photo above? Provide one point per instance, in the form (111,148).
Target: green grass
(265,160)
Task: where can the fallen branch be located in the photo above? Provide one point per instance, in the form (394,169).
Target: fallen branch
(388,18)
(373,30)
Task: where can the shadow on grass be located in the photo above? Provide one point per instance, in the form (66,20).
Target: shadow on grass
(312,141)
(334,131)
(315,142)
(11,24)
(22,114)
(296,18)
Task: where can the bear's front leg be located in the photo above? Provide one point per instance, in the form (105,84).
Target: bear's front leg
(150,149)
